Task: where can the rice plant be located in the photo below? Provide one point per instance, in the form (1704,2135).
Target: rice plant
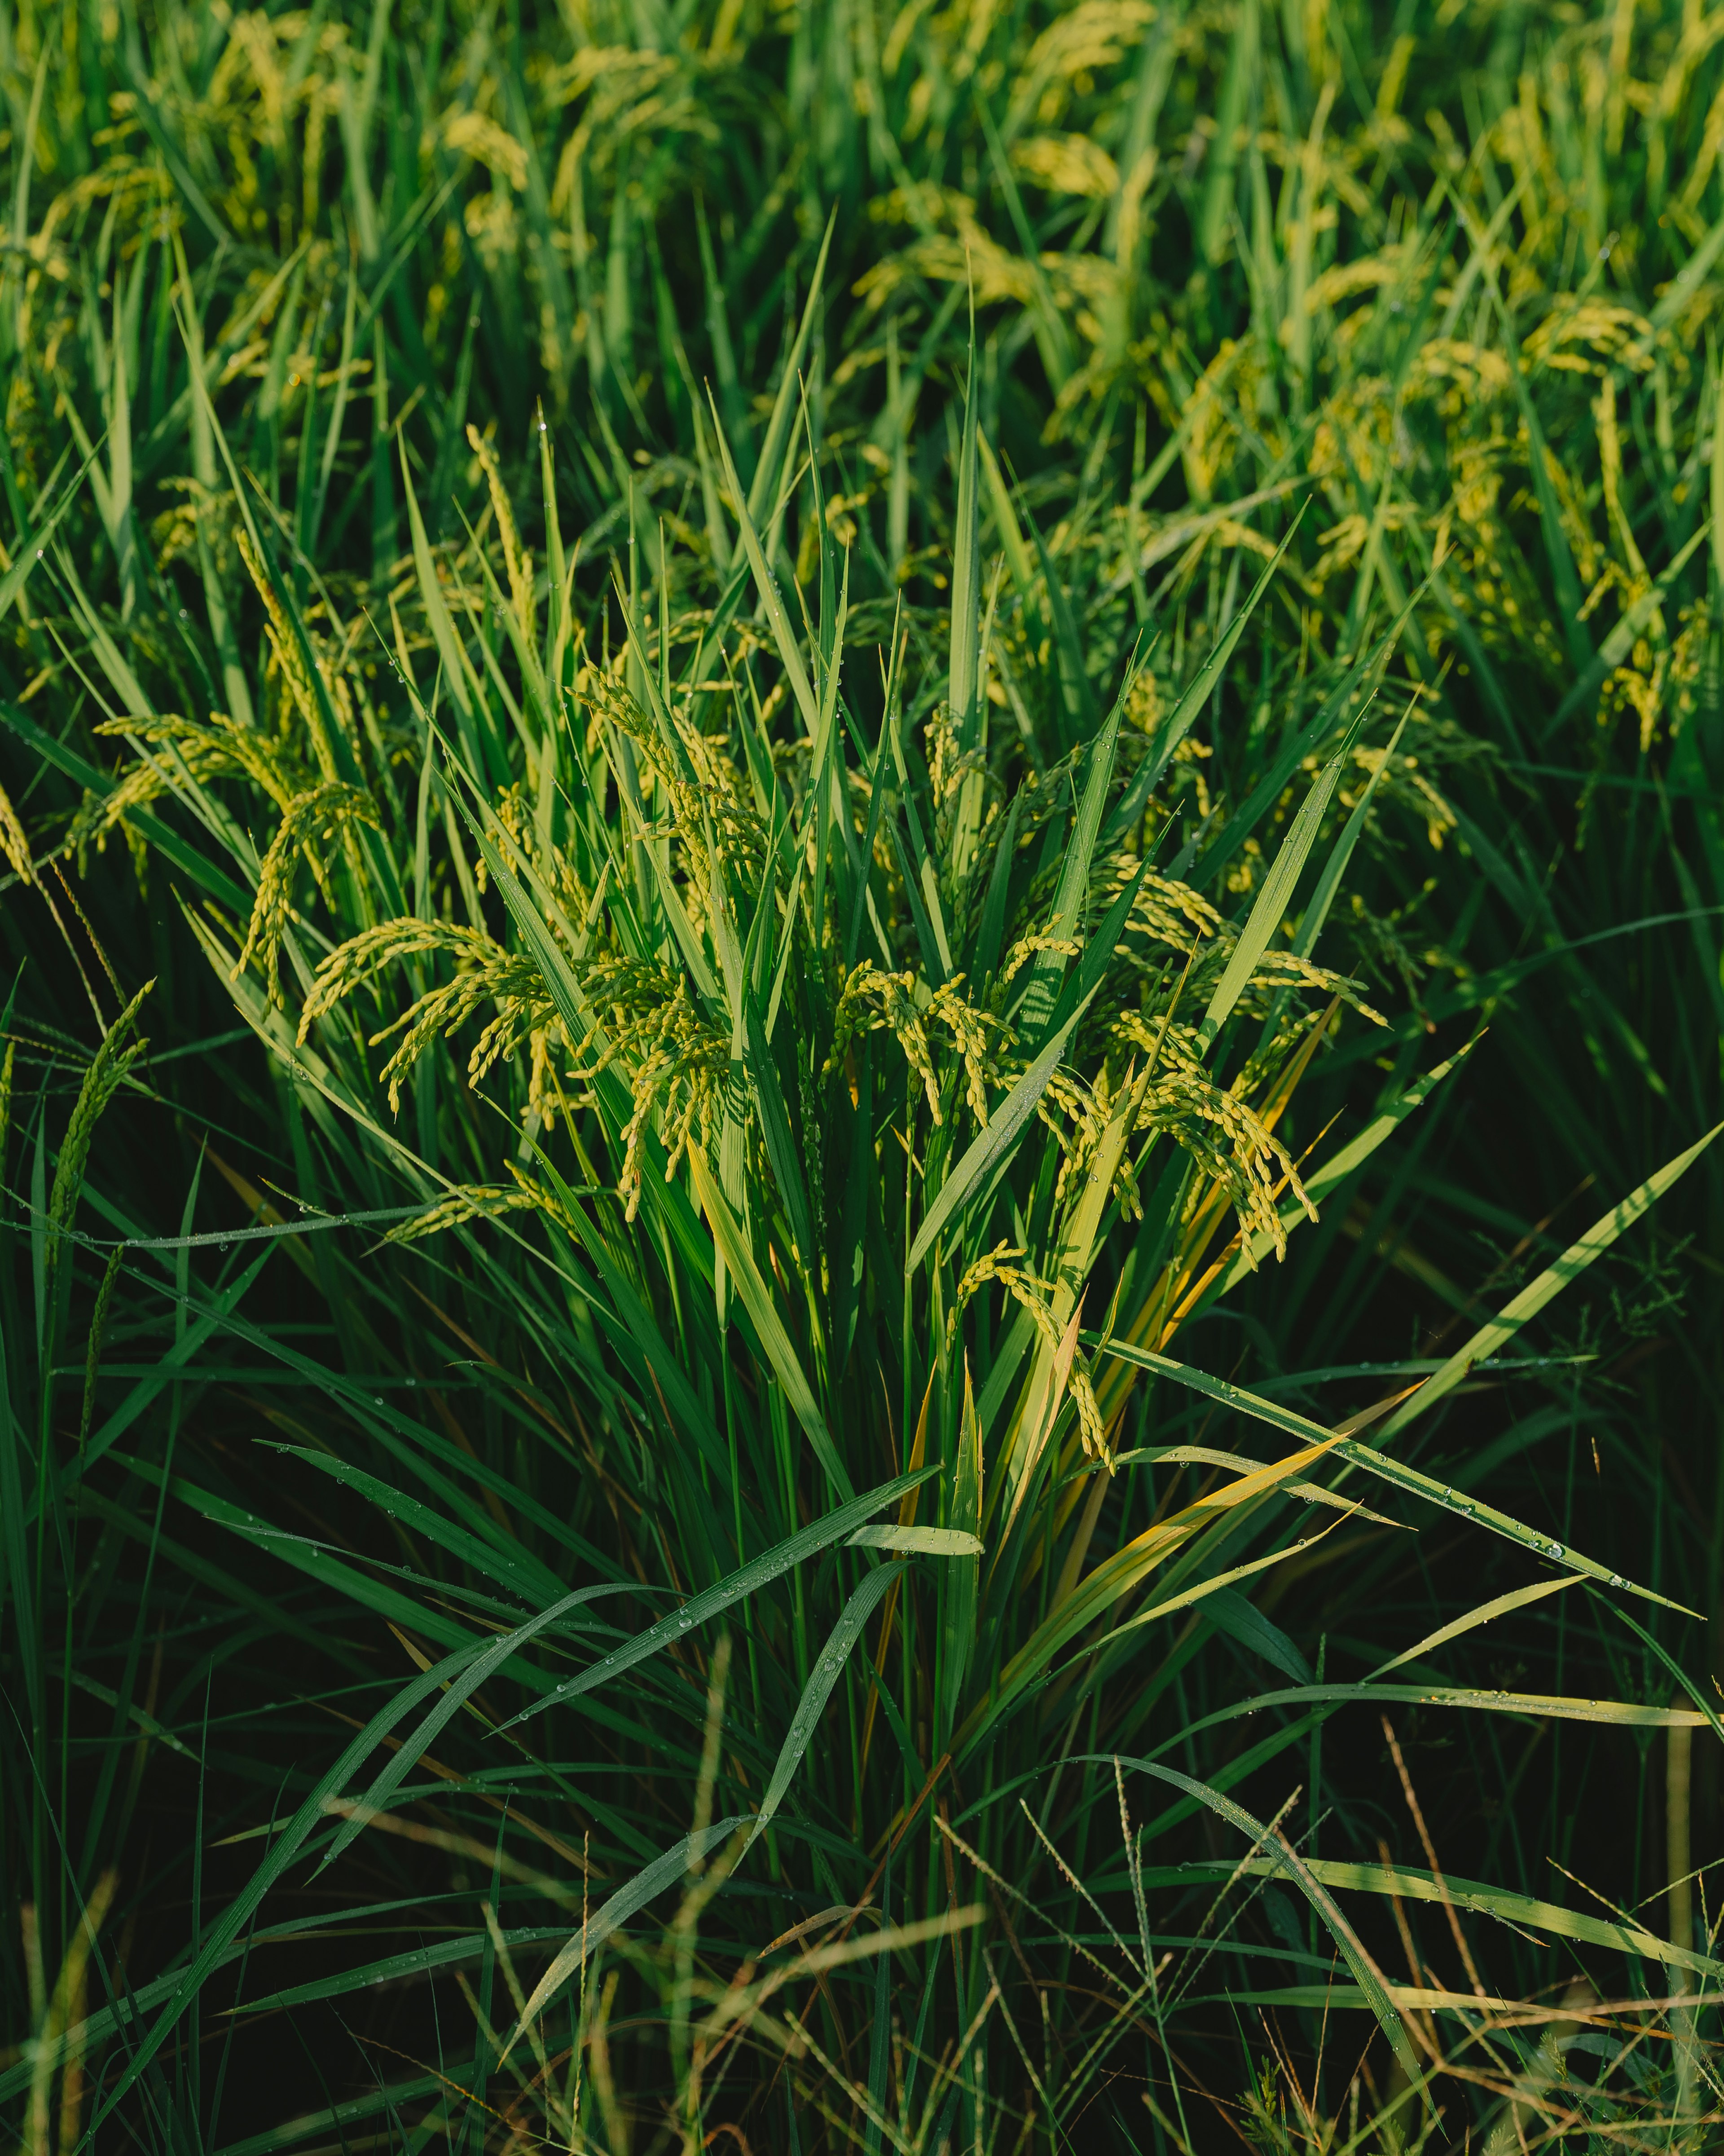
(797,990)
(739,950)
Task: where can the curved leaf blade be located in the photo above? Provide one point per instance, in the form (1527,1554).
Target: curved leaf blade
(652,1880)
(1483,1900)
(918,1541)
(818,1691)
(1394,1471)
(401,1762)
(1284,1862)
(1549,1283)
(809,1541)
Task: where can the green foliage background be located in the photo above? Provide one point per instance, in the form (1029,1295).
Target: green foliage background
(1204,436)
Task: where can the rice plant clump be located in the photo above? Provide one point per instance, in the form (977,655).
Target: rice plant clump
(780,988)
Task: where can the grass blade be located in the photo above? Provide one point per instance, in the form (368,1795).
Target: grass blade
(1549,1283)
(1273,900)
(762,1306)
(646,1884)
(807,1541)
(857,1611)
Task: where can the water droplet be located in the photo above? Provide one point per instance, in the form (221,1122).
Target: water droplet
(1556,1549)
(222,1247)
(377,1400)
(682,1624)
(1616,1579)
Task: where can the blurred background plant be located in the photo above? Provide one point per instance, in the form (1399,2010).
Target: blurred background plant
(451,457)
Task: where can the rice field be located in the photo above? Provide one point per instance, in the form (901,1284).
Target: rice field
(858,1276)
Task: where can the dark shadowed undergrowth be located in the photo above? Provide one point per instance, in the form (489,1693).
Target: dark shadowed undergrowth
(863,1003)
